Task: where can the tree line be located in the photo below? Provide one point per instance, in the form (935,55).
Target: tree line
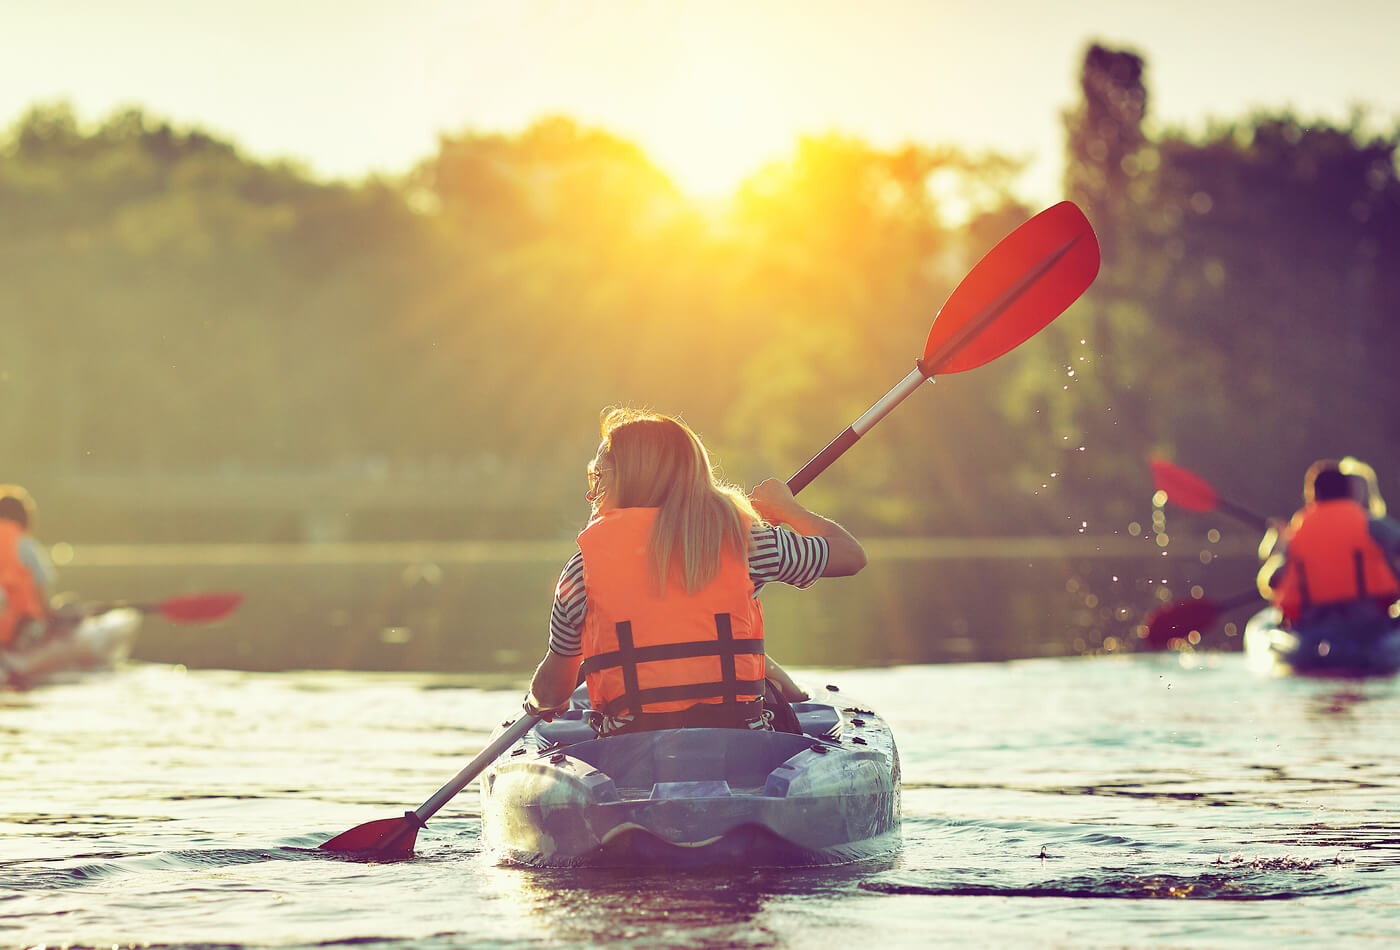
(176,306)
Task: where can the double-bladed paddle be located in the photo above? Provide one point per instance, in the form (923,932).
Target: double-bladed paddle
(1188,490)
(1018,287)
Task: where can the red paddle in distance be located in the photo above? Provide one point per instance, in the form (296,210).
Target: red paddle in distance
(1188,490)
(185,608)
(1022,284)
(1030,278)
(1180,618)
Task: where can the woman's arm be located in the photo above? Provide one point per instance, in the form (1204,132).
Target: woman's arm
(554,682)
(788,689)
(775,504)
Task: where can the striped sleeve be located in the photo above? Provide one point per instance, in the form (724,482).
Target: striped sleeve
(779,555)
(566,614)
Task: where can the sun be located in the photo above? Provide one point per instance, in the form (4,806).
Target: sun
(713,126)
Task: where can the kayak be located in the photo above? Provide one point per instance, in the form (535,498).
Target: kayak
(562,797)
(1340,646)
(96,642)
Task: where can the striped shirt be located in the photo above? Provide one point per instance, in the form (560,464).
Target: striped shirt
(776,555)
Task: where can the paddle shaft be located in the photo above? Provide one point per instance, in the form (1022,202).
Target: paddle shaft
(145,608)
(1242,514)
(509,737)
(838,446)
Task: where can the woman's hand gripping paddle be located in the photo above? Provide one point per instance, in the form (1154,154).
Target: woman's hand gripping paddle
(1023,283)
(1188,490)
(394,837)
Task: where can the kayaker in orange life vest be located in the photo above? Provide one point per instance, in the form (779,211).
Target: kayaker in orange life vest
(659,606)
(1329,560)
(25,572)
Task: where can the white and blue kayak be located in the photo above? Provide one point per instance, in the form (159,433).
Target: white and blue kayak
(95,642)
(562,797)
(1340,646)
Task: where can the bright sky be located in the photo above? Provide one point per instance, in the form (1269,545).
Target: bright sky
(710,88)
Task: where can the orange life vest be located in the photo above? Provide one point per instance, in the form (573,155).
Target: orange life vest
(22,597)
(647,655)
(1332,558)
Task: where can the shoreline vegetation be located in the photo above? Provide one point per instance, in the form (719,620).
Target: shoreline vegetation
(186,311)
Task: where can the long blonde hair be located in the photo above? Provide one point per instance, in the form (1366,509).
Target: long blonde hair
(656,461)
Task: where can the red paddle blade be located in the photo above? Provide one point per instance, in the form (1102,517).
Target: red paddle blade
(1185,489)
(387,837)
(1179,619)
(1023,283)
(199,608)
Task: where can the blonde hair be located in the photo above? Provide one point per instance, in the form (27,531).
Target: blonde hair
(656,461)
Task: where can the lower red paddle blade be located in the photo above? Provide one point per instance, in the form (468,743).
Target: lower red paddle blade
(390,837)
(1179,619)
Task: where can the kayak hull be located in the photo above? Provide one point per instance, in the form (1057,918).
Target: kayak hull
(97,642)
(698,797)
(1343,646)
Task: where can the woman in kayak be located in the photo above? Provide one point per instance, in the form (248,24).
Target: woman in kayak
(659,606)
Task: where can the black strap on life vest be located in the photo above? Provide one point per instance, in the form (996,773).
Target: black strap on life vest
(729,688)
(1358,558)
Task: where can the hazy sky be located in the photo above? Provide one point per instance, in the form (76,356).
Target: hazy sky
(710,88)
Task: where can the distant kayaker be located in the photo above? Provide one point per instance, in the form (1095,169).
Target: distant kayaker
(1331,559)
(26,575)
(659,606)
(1366,490)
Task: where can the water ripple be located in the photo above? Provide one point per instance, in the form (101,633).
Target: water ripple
(1257,880)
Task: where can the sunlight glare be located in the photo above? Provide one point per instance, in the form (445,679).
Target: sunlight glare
(720,125)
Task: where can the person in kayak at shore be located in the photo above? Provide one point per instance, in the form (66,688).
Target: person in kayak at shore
(659,606)
(26,575)
(1327,563)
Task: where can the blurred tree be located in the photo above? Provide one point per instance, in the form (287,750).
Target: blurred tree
(175,306)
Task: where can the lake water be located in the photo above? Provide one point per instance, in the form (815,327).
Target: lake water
(483,606)
(1098,801)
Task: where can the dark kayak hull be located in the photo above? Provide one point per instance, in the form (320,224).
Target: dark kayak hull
(698,797)
(1341,647)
